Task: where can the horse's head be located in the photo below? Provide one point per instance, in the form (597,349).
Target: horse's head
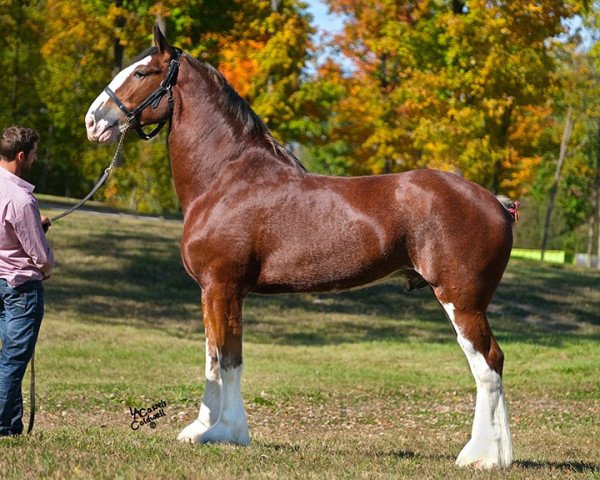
(136,94)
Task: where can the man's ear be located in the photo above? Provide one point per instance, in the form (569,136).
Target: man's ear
(20,156)
(161,42)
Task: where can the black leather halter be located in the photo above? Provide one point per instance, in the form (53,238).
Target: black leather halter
(153,99)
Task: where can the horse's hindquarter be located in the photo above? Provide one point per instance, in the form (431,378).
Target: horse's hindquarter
(460,236)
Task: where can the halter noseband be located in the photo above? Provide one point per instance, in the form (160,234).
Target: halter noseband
(153,99)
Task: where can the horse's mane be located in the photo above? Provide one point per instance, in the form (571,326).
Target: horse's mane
(253,126)
(239,109)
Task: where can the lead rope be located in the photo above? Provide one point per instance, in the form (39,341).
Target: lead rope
(100,182)
(32,395)
(53,219)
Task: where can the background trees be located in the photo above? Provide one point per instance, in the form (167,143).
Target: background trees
(478,87)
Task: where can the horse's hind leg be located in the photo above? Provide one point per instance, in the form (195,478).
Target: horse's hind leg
(490,443)
(221,417)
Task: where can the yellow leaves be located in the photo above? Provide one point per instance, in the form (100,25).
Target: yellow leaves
(523,171)
(162,9)
(115,12)
(497,108)
(529,124)
(239,65)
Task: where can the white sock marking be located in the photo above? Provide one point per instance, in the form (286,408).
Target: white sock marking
(210,408)
(490,444)
(232,426)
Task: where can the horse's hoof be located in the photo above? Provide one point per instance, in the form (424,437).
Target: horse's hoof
(480,456)
(192,432)
(220,433)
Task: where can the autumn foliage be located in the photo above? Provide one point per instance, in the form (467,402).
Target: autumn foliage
(476,87)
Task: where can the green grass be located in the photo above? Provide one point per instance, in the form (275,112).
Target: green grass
(552,256)
(364,384)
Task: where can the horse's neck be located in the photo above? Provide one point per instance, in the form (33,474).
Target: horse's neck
(204,137)
(200,143)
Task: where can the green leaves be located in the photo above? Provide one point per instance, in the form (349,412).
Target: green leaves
(474,87)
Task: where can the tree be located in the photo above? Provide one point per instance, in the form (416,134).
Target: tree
(461,86)
(263,57)
(568,130)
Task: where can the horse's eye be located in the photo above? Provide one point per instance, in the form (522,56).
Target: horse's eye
(138,75)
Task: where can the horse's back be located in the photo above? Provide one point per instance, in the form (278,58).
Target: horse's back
(457,207)
(305,232)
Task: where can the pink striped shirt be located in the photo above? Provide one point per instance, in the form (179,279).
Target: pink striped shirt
(24,251)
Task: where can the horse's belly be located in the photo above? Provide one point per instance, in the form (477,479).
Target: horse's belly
(325,264)
(410,280)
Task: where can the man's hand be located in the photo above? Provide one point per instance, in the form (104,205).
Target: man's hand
(46,223)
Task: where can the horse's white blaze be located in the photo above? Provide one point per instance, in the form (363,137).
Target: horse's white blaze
(490,443)
(210,408)
(100,128)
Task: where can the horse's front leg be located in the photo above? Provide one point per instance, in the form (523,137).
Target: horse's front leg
(210,408)
(221,417)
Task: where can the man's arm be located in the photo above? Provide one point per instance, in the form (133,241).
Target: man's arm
(30,232)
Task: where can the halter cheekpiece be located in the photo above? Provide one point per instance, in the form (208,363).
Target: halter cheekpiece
(153,99)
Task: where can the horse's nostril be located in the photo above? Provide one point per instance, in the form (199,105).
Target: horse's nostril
(89,121)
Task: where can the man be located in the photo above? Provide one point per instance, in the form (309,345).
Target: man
(25,260)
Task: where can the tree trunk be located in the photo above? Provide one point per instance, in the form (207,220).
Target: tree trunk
(591,227)
(16,66)
(119,50)
(595,200)
(596,216)
(275,4)
(598,224)
(383,80)
(557,174)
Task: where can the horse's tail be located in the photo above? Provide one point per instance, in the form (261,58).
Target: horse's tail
(509,206)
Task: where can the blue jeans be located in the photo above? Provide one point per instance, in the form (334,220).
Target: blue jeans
(21,312)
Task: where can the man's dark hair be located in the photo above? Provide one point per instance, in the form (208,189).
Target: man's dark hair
(17,139)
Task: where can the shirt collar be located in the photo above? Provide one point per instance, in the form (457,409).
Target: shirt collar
(5,174)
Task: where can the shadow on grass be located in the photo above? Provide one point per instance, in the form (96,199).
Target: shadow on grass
(113,277)
(562,296)
(119,273)
(534,303)
(397,454)
(377,313)
(575,466)
(565,467)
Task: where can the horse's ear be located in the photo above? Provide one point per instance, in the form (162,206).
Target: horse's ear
(160,41)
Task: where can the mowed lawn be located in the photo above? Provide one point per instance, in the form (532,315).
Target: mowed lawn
(363,384)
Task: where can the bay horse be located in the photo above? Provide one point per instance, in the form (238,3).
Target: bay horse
(256,221)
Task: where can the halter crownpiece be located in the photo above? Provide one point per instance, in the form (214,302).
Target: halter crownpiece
(153,99)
